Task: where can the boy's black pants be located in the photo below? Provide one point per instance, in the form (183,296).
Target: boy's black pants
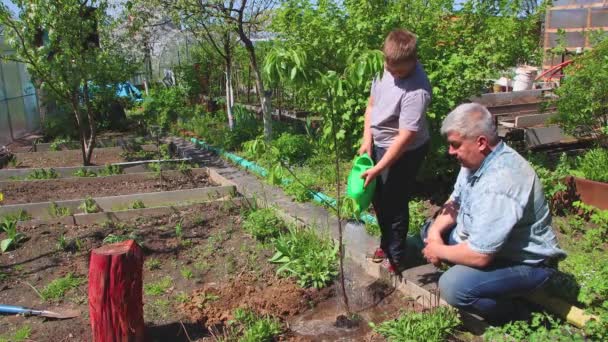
(391,200)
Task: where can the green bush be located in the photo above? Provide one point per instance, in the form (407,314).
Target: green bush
(162,107)
(263,224)
(302,254)
(583,96)
(293,148)
(435,325)
(60,124)
(593,165)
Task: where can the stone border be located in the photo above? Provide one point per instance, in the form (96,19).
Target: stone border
(67,172)
(117,216)
(40,210)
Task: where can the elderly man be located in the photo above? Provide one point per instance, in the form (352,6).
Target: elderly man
(496,226)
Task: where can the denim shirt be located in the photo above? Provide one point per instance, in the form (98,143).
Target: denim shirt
(502,210)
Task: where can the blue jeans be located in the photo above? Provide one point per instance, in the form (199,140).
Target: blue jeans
(492,292)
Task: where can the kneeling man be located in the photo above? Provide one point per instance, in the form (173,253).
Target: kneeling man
(495,228)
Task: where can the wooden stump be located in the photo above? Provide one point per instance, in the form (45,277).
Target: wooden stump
(115,293)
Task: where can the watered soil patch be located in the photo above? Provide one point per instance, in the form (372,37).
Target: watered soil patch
(76,188)
(214,304)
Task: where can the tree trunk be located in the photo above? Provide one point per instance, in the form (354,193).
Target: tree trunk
(115,293)
(90,144)
(229,100)
(259,85)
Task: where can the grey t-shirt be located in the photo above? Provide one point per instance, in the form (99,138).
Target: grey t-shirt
(400,104)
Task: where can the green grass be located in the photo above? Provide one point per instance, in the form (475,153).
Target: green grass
(153,264)
(56,289)
(433,326)
(20,335)
(263,224)
(186,273)
(158,288)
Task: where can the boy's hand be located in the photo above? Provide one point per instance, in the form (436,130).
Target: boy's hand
(366,147)
(370,175)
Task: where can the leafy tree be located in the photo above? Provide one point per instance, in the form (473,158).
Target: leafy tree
(65,46)
(244,18)
(583,97)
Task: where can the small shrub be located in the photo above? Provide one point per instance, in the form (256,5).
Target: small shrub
(435,325)
(56,289)
(303,255)
(263,224)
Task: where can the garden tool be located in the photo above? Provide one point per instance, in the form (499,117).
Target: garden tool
(20,310)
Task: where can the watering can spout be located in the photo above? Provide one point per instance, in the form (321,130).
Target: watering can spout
(355,189)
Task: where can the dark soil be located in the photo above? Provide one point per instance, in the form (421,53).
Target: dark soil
(101,156)
(212,250)
(76,188)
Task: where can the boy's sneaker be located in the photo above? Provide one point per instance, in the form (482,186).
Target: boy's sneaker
(390,268)
(378,256)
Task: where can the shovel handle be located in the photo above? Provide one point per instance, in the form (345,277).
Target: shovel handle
(15,310)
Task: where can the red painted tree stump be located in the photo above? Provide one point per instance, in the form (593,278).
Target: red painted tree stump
(115,293)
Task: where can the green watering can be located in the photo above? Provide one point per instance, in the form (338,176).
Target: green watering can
(354,188)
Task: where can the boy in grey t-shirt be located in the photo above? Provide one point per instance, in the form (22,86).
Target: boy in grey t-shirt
(396,136)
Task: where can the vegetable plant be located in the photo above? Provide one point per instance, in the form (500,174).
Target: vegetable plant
(435,325)
(263,224)
(12,236)
(84,172)
(42,174)
(302,254)
(138,204)
(89,206)
(56,210)
(110,170)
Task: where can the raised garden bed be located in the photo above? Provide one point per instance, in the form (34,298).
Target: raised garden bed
(16,192)
(590,192)
(200,267)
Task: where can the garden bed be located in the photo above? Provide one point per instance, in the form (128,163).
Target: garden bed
(200,267)
(17,192)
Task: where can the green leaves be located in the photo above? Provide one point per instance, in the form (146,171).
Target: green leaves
(9,226)
(303,255)
(435,325)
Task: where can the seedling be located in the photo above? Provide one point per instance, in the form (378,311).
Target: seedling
(83,172)
(112,238)
(42,174)
(89,206)
(186,273)
(179,230)
(21,215)
(58,211)
(56,289)
(13,162)
(138,204)
(12,236)
(110,170)
(153,264)
(66,245)
(181,297)
(158,288)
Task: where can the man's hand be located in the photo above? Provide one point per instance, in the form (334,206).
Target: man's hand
(370,175)
(366,147)
(431,251)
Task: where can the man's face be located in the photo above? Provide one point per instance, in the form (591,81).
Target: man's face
(401,70)
(468,151)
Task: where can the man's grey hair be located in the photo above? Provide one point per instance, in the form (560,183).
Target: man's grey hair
(471,120)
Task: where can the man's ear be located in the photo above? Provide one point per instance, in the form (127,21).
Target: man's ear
(482,143)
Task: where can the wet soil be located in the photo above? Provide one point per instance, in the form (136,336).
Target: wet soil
(76,188)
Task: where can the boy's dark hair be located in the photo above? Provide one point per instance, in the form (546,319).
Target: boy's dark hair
(399,47)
